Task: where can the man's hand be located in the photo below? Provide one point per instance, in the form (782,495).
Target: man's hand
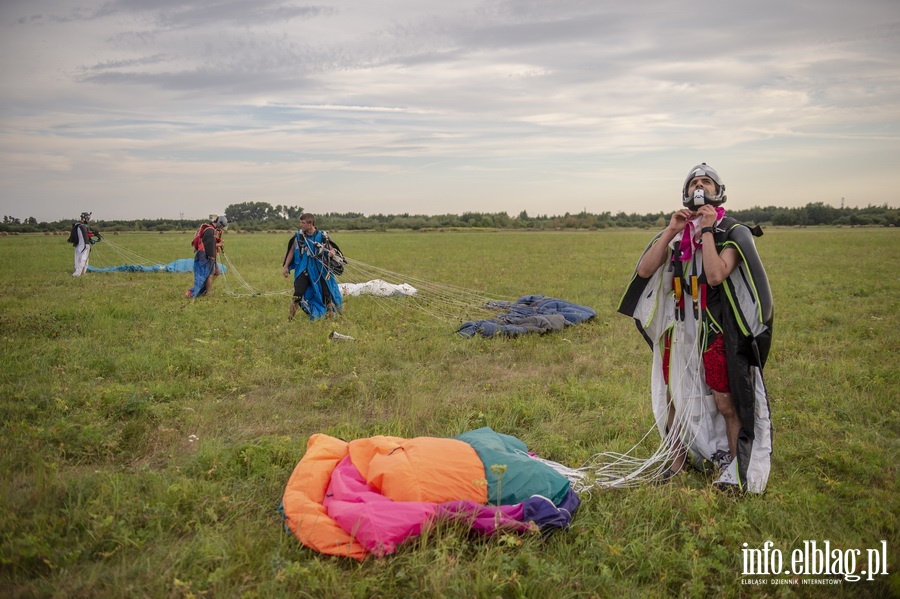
(680,220)
(708,215)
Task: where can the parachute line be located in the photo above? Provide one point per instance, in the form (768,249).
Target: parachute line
(438,300)
(110,254)
(612,470)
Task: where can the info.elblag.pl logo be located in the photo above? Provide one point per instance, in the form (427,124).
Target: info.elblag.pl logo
(815,559)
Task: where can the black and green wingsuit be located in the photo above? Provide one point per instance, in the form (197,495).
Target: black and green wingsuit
(742,308)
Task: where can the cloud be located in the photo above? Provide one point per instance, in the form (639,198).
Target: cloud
(411,103)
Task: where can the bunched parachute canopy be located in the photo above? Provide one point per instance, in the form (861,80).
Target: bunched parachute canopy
(528,314)
(367,496)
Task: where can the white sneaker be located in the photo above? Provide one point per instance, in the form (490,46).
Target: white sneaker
(729,481)
(722,459)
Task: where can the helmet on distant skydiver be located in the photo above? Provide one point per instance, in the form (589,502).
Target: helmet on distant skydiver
(221,222)
(700,198)
(86,216)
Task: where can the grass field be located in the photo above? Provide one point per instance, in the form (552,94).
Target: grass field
(146,438)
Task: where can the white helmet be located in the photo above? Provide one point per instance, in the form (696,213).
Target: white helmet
(221,222)
(695,201)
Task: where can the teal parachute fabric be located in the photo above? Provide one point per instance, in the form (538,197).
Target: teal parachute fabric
(519,476)
(180,265)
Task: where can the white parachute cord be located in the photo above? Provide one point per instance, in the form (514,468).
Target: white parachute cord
(360,270)
(452,294)
(249,290)
(125,255)
(577,477)
(439,300)
(621,470)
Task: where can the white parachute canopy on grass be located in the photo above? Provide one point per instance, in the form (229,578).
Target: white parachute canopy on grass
(377,287)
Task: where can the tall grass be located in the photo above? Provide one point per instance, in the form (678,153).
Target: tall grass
(146,438)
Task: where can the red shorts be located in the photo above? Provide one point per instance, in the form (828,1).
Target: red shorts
(713,363)
(716,366)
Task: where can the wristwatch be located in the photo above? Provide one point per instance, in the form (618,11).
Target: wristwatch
(708,230)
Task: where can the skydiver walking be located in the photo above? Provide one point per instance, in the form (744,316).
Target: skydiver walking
(315,260)
(82,238)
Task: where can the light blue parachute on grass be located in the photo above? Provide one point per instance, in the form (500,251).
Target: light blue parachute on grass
(180,265)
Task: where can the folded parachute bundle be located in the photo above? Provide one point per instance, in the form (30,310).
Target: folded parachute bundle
(528,314)
(367,496)
(377,287)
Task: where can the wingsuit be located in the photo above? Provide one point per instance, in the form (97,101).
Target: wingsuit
(207,242)
(82,240)
(305,256)
(675,310)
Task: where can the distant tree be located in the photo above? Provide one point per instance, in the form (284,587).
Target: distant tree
(783,216)
(250,211)
(501,219)
(820,214)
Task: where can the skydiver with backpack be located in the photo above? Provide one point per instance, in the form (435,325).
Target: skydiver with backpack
(701,298)
(82,238)
(207,243)
(315,260)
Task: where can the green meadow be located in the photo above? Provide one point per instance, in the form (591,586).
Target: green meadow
(147,438)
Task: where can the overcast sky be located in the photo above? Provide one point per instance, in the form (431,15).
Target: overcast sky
(178,108)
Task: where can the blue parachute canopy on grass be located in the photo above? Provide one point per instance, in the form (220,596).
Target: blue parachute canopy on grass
(528,314)
(180,265)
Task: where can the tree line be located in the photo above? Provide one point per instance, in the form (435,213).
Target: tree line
(262,216)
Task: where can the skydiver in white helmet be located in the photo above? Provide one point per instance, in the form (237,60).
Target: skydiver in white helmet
(81,239)
(701,298)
